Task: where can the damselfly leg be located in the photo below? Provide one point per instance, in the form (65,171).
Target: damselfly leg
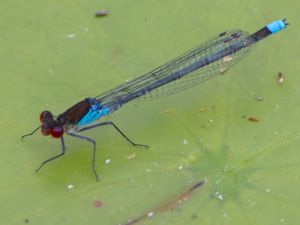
(94,142)
(63,150)
(114,126)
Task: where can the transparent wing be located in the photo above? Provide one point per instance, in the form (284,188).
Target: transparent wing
(182,72)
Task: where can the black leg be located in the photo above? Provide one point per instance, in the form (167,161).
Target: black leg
(94,151)
(63,149)
(115,126)
(35,130)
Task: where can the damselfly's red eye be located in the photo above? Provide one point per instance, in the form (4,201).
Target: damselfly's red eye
(57,132)
(45,130)
(45,115)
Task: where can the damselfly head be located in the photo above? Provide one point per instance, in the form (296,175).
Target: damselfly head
(50,126)
(46,116)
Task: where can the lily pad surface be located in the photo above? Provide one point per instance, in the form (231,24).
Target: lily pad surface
(223,152)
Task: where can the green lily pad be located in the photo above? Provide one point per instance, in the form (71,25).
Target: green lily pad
(236,136)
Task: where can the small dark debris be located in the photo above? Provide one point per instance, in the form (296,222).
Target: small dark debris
(280,78)
(253,119)
(26,220)
(101,13)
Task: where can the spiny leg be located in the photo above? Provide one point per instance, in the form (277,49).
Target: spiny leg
(94,151)
(63,150)
(115,126)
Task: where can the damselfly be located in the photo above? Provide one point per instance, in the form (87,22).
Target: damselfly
(193,67)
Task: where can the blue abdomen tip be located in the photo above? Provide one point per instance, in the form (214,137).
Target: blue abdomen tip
(276,26)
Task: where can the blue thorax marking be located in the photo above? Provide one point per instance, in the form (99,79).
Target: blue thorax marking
(95,112)
(276,26)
